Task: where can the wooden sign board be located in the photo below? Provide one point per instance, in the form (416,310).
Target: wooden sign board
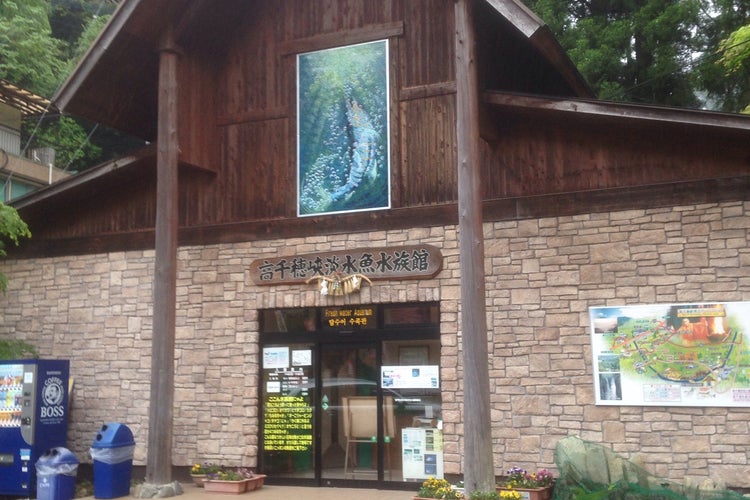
(406,262)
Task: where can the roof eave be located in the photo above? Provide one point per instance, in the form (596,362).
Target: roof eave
(67,92)
(591,107)
(543,40)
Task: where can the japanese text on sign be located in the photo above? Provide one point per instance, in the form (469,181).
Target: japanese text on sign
(420,261)
(287,424)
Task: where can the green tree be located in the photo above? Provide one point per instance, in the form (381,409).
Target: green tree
(77,22)
(735,58)
(29,56)
(628,50)
(12,229)
(74,150)
(40,43)
(653,51)
(721,90)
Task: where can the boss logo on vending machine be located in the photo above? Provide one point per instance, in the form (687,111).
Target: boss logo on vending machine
(52,398)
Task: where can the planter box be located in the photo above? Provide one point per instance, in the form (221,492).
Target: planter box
(255,482)
(225,486)
(531,493)
(198,479)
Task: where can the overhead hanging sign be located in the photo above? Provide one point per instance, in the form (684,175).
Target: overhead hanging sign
(376,263)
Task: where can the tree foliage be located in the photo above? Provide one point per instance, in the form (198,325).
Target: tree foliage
(735,56)
(17,349)
(722,91)
(29,56)
(735,50)
(12,229)
(41,41)
(69,139)
(652,51)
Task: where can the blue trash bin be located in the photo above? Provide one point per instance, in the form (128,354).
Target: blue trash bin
(112,454)
(56,472)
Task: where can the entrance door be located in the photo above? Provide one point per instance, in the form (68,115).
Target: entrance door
(354,415)
(338,408)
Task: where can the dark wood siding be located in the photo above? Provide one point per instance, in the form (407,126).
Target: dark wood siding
(541,154)
(256,179)
(428,170)
(237,132)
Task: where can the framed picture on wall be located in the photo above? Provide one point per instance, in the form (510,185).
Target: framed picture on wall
(343,145)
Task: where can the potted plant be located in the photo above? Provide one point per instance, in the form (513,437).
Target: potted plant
(490,495)
(438,488)
(226,481)
(509,495)
(529,485)
(200,471)
(239,480)
(252,480)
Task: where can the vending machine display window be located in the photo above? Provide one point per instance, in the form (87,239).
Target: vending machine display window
(34,398)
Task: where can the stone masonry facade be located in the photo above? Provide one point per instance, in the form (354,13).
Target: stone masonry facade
(542,276)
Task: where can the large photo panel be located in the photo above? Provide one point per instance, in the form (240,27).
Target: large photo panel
(343,151)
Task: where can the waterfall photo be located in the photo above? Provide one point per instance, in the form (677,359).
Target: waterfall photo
(343,130)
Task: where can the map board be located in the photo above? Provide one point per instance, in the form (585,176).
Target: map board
(672,354)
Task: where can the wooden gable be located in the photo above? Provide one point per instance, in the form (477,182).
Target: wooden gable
(237,124)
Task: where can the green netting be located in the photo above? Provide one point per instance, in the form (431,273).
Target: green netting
(588,471)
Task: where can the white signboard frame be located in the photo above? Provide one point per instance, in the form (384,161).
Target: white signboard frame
(694,354)
(410,377)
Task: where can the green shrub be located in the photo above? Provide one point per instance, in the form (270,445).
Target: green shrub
(17,349)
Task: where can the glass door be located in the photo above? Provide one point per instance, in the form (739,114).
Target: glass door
(351,415)
(288,388)
(341,405)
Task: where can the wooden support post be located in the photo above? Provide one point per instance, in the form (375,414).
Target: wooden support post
(160,425)
(478,464)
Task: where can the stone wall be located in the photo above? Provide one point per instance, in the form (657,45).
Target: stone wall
(542,276)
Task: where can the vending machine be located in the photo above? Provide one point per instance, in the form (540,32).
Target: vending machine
(33,419)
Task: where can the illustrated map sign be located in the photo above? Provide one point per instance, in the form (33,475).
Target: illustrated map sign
(409,261)
(672,355)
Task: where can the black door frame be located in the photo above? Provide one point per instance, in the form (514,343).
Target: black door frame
(318,411)
(375,336)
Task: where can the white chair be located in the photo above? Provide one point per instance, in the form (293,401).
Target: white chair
(361,425)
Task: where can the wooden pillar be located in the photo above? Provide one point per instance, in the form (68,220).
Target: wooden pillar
(478,463)
(160,425)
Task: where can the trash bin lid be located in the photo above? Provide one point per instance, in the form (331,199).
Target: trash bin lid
(113,435)
(57,456)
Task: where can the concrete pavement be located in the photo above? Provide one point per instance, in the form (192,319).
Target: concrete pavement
(277,492)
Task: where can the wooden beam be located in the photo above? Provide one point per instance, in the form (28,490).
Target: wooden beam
(345,37)
(160,424)
(478,465)
(641,112)
(83,178)
(684,193)
(425,91)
